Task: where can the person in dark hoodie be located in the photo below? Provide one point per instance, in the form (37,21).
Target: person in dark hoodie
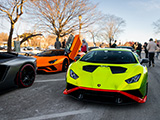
(57,44)
(139,49)
(114,44)
(145,49)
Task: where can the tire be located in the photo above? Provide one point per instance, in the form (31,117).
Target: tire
(26,76)
(65,65)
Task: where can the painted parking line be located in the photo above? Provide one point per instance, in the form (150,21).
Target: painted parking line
(56,115)
(50,80)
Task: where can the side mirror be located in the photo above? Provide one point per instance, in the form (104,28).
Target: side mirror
(145,60)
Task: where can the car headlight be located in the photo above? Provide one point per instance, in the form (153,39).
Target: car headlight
(73,75)
(52,61)
(133,79)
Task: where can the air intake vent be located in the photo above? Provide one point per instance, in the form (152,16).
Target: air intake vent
(3,71)
(90,68)
(116,70)
(46,68)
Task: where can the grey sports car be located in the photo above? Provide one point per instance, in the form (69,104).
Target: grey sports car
(16,70)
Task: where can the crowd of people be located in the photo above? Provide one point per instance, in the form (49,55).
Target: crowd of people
(151,48)
(58,45)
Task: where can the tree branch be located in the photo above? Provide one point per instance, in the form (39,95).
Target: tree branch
(30,36)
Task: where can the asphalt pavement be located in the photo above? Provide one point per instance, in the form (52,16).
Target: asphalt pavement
(45,100)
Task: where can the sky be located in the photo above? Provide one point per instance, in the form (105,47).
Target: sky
(139,16)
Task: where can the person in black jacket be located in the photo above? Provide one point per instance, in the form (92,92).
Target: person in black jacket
(114,44)
(145,49)
(64,43)
(139,49)
(57,44)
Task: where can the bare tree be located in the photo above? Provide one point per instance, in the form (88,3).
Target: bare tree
(157,26)
(50,39)
(12,10)
(25,38)
(3,37)
(93,33)
(60,17)
(111,26)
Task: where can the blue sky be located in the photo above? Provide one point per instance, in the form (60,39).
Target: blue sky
(138,14)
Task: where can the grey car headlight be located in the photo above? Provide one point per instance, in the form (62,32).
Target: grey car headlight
(73,75)
(133,79)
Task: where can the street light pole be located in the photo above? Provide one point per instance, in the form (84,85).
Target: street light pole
(80,17)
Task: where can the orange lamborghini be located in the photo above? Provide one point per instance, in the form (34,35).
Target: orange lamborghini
(56,60)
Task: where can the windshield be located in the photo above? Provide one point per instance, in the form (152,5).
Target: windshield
(107,56)
(51,53)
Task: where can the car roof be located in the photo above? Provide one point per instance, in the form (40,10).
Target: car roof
(111,49)
(54,50)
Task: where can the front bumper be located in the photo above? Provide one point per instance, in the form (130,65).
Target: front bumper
(104,95)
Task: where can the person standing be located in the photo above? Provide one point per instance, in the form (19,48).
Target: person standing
(139,49)
(64,43)
(135,45)
(101,45)
(158,50)
(145,49)
(57,44)
(151,47)
(114,44)
(84,47)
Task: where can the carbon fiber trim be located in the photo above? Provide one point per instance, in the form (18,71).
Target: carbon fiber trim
(101,96)
(116,70)
(70,86)
(90,68)
(135,92)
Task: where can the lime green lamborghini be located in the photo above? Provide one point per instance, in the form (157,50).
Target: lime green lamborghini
(108,75)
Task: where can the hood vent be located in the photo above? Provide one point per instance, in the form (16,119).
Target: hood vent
(116,70)
(90,68)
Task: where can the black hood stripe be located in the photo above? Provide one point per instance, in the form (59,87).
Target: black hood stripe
(114,69)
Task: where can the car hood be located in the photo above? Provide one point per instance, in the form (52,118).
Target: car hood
(73,45)
(107,76)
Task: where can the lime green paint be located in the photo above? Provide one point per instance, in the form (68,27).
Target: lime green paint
(104,76)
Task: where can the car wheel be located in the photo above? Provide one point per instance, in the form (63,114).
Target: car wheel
(26,76)
(65,65)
